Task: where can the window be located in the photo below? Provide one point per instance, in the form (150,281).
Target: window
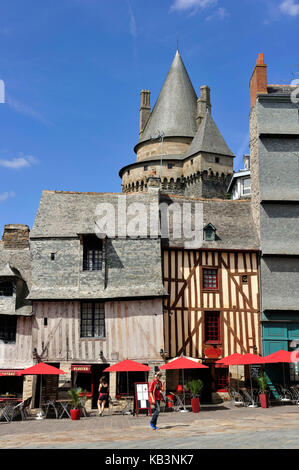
(209,233)
(92,320)
(170,165)
(191,162)
(246,186)
(217,159)
(92,253)
(210,279)
(145,167)
(8,328)
(212,327)
(6,289)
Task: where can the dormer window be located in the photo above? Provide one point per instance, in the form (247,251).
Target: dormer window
(92,253)
(6,289)
(209,233)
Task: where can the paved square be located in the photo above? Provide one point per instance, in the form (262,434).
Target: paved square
(221,427)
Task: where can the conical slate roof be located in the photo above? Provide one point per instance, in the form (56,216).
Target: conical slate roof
(174,113)
(209,139)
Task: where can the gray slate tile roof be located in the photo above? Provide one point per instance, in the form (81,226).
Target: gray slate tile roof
(208,139)
(232,219)
(175,110)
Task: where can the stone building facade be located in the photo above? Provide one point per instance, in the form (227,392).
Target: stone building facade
(102,277)
(274,150)
(179,141)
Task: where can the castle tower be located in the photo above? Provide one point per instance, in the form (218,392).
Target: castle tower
(179,141)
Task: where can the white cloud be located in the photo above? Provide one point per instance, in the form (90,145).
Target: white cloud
(289,7)
(26,110)
(219,14)
(133,26)
(192,4)
(17,163)
(6,195)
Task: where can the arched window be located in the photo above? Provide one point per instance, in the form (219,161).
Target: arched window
(6,289)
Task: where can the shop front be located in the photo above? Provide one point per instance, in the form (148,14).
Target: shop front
(87,377)
(11,385)
(281,331)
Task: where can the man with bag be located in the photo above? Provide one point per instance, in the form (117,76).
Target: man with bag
(155,396)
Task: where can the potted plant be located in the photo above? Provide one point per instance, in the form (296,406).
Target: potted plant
(196,387)
(263,394)
(75,394)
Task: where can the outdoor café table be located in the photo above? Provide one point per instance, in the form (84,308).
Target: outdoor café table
(64,405)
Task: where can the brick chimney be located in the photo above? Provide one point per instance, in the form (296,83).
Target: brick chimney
(145,109)
(258,81)
(15,236)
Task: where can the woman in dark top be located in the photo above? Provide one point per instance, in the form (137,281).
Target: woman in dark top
(103,395)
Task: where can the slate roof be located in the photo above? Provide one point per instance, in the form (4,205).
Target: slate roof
(67,214)
(208,139)
(175,110)
(231,218)
(16,262)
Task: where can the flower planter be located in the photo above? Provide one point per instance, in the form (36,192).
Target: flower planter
(75,414)
(264,401)
(195,403)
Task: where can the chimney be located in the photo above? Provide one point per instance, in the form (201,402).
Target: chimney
(145,109)
(246,162)
(15,236)
(203,103)
(258,81)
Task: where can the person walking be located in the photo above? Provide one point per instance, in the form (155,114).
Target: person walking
(155,389)
(103,395)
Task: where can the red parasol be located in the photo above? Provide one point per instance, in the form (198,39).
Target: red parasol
(282,356)
(227,360)
(183,363)
(42,369)
(128,366)
(247,359)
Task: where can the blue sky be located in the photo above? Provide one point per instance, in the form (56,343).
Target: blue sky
(73,71)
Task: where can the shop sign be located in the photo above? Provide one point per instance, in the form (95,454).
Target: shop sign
(81,368)
(10,373)
(211,352)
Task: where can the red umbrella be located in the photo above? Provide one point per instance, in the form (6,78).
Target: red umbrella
(128,366)
(283,357)
(227,360)
(245,359)
(183,363)
(42,369)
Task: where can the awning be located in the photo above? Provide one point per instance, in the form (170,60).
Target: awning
(10,372)
(85,368)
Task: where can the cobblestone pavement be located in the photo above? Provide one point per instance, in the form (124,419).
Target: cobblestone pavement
(222,427)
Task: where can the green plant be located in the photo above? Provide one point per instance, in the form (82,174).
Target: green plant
(263,383)
(75,395)
(196,387)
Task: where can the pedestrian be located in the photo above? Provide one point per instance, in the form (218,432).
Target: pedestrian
(103,395)
(155,389)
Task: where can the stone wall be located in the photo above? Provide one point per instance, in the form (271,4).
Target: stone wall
(171,146)
(15,236)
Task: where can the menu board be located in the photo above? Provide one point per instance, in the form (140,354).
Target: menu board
(142,397)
